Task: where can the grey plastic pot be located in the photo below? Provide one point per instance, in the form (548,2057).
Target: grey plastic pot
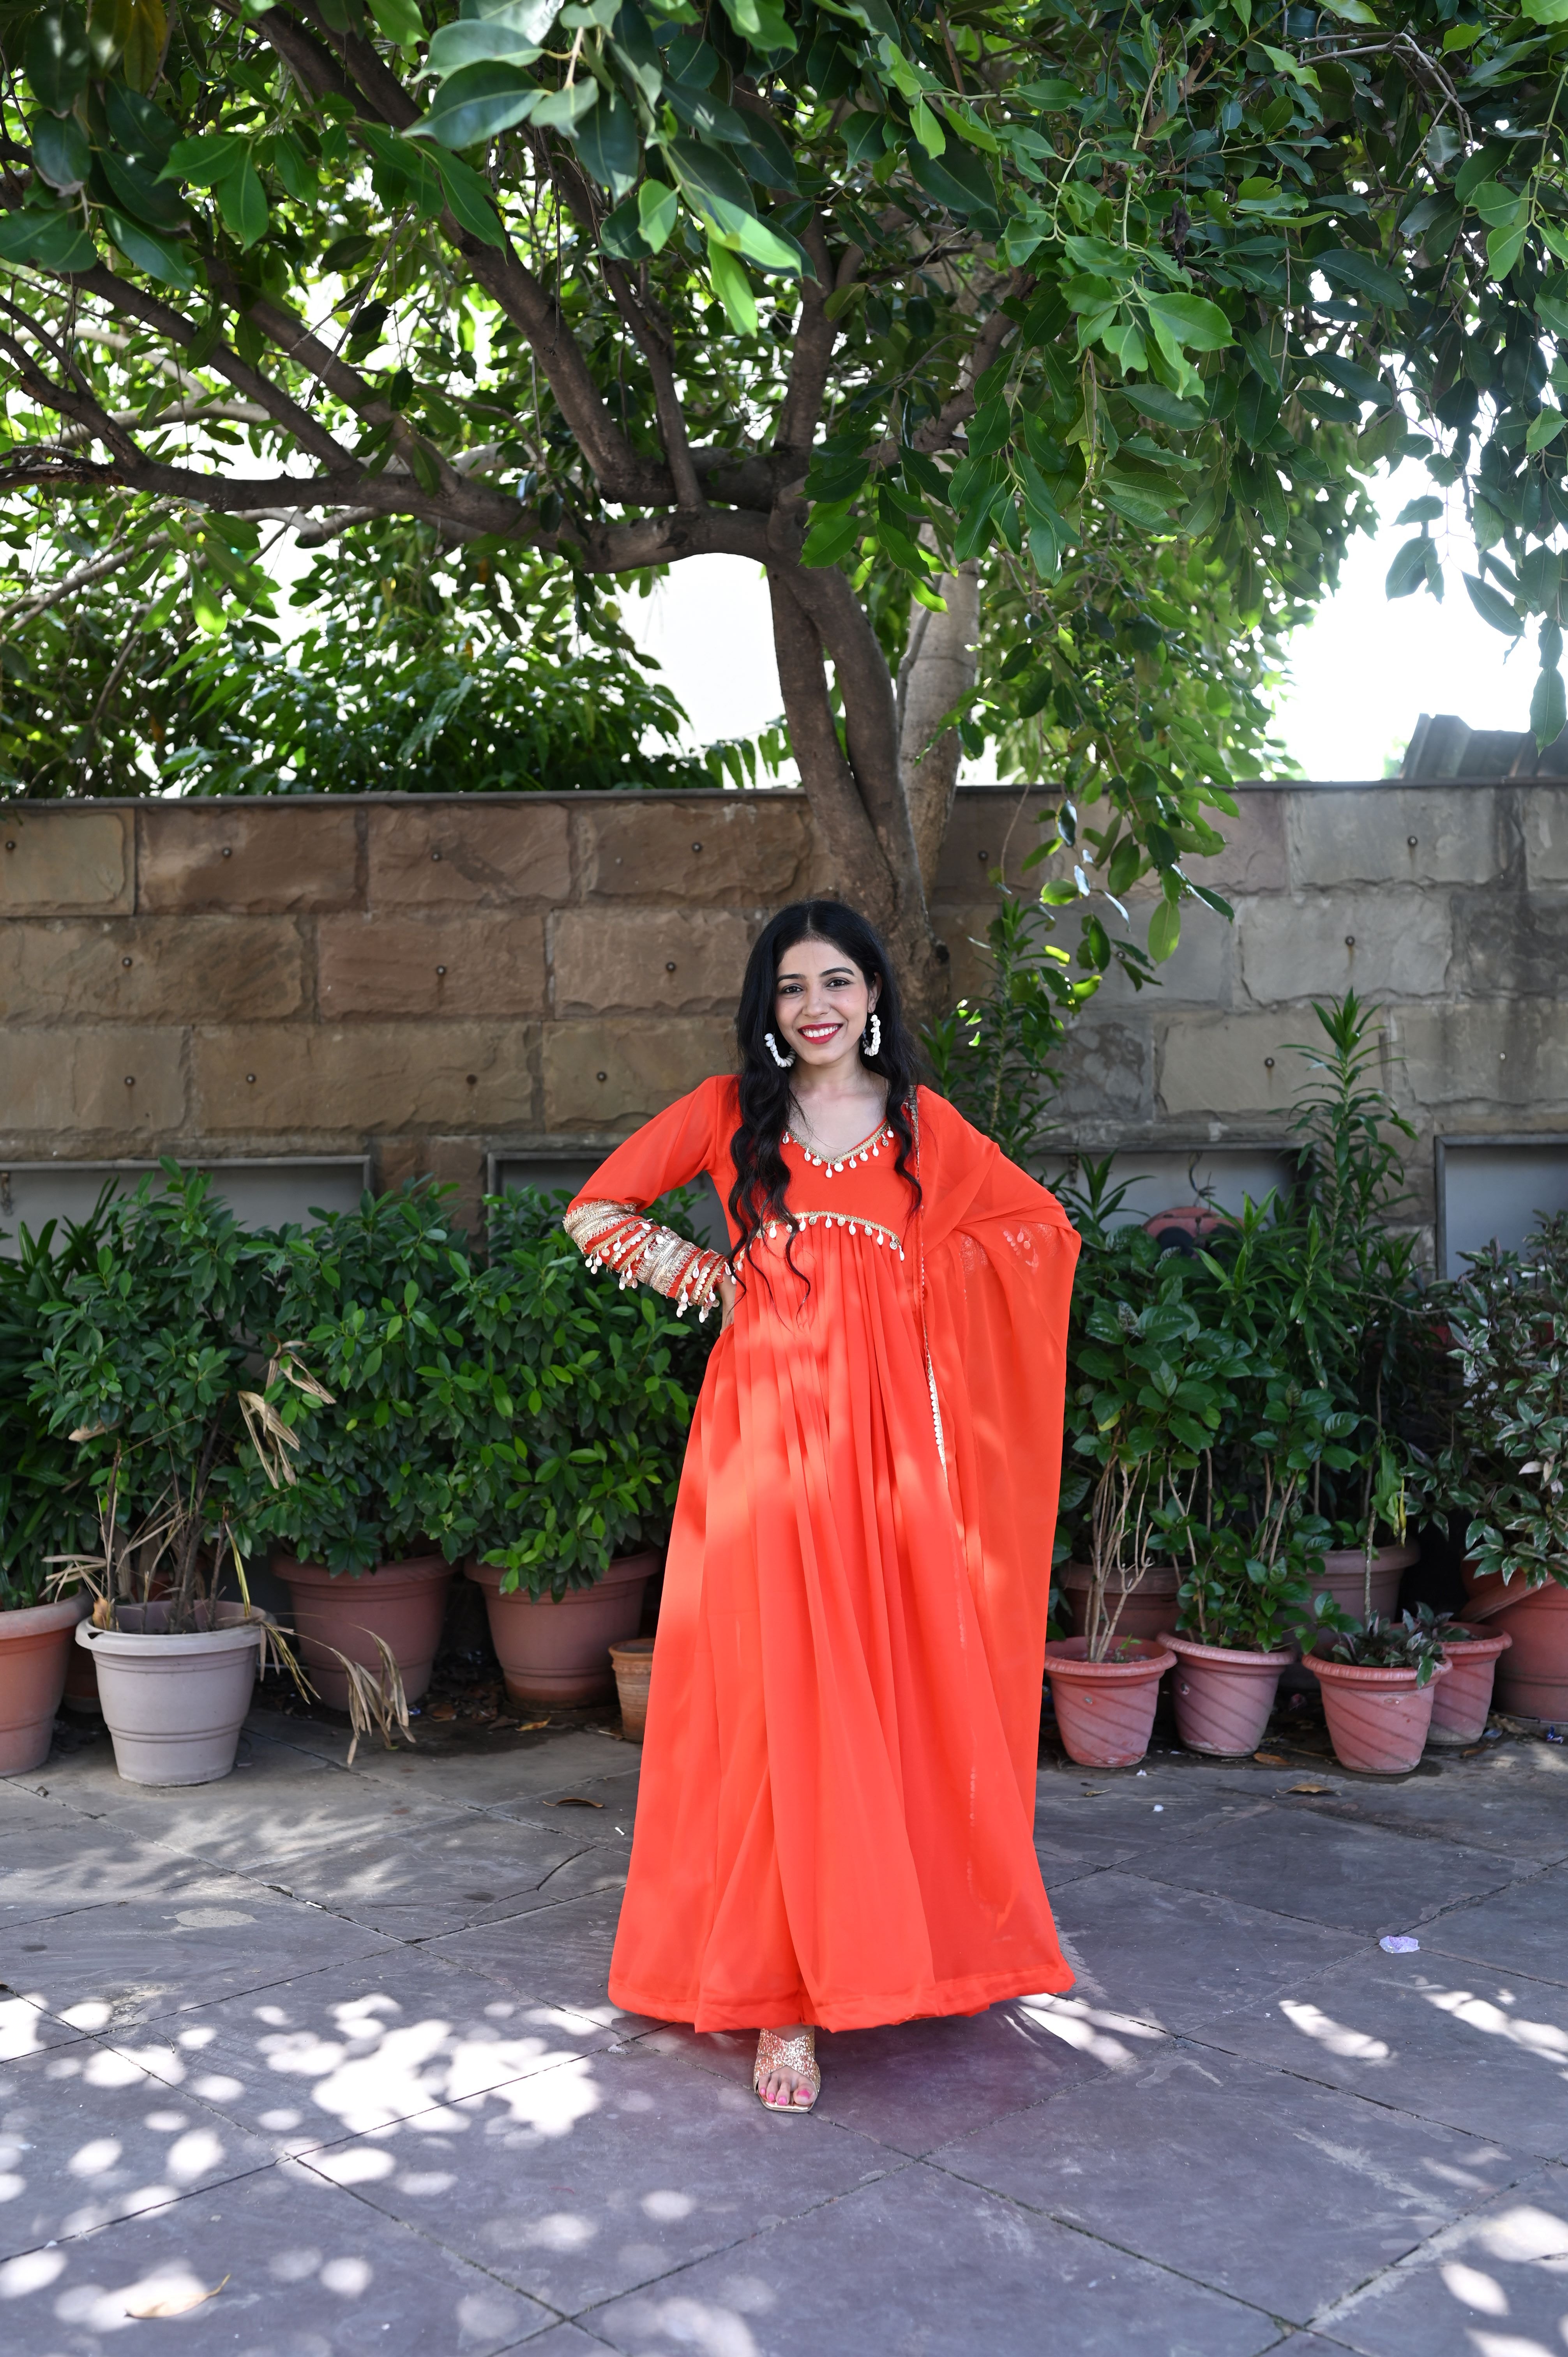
(174,1705)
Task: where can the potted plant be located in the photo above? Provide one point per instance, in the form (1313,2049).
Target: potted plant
(1462,1701)
(147,1367)
(568,1410)
(372,1296)
(45,1507)
(1151,1378)
(1351,1303)
(1504,1462)
(1378,1682)
(1247,1596)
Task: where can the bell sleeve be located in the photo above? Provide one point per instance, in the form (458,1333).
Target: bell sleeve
(607,1221)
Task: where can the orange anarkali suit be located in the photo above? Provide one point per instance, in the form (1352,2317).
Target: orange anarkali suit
(836,1813)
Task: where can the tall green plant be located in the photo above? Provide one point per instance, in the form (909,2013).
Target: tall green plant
(567,1404)
(151,1368)
(370,1298)
(46,1504)
(1504,1460)
(995,1055)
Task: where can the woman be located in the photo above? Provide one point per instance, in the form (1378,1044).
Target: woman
(836,1817)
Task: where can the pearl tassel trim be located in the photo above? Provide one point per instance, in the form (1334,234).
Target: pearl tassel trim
(887,1237)
(616,1237)
(865,1152)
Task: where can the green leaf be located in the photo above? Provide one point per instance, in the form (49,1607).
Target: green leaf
(835,530)
(1408,570)
(170,265)
(1195,324)
(56,58)
(958,182)
(205,161)
(1504,247)
(1165,407)
(1545,12)
(733,288)
(480,40)
(1543,429)
(607,142)
(476,104)
(926,129)
(468,198)
(1348,268)
(51,240)
(244,204)
(400,20)
(1422,510)
(1492,606)
(657,207)
(60,153)
(564,109)
(1164,930)
(1548,709)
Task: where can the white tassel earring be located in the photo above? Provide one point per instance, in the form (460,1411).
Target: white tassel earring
(871,1040)
(783,1063)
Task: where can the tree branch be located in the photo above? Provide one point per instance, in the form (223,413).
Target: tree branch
(814,341)
(620,473)
(137,303)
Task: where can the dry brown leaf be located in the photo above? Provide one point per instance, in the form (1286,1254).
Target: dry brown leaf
(174,2303)
(1270,1759)
(1311,1787)
(574,1801)
(527,1726)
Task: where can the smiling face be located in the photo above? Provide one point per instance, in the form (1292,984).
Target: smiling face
(820,1002)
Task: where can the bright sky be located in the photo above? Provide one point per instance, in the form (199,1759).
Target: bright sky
(1362,673)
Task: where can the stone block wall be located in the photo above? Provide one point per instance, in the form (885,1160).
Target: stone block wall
(438,979)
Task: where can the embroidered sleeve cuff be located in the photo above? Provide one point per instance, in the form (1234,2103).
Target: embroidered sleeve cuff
(620,1237)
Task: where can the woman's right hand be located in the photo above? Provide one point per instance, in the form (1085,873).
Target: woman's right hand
(726,1298)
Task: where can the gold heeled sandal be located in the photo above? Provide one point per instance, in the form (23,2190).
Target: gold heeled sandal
(798,2054)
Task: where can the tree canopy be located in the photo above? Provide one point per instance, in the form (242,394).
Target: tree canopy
(1038,354)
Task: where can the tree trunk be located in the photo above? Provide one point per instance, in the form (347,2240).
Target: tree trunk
(873,862)
(939,668)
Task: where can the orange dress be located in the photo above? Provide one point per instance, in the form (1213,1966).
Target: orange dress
(836,1813)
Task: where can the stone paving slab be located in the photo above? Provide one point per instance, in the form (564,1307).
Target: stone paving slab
(561,1953)
(337,2050)
(43,1876)
(607,2172)
(1519,1930)
(1186,2162)
(86,2138)
(919,2265)
(309,2269)
(380,1996)
(1445,2040)
(1495,2284)
(1366,1878)
(1172,1956)
(211,1935)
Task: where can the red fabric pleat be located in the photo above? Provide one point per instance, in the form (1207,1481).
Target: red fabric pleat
(835,1815)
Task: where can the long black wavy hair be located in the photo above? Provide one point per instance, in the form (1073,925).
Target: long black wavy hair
(757,1198)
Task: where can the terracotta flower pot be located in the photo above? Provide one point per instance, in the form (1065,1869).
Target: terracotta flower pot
(1223,1698)
(1533,1677)
(633,1664)
(403,1603)
(561,1652)
(1378,1720)
(1150,1607)
(1105,1709)
(1465,1696)
(175,1705)
(1341,1574)
(35,1651)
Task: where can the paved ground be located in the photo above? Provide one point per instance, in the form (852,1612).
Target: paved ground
(341,2041)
